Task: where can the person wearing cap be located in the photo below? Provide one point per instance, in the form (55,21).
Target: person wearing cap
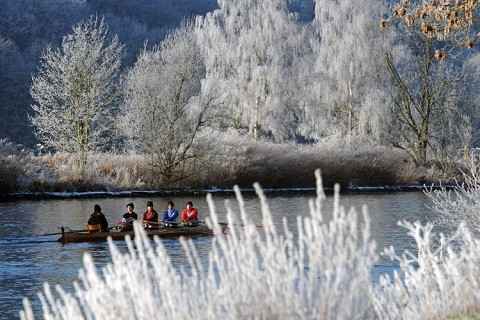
(189,214)
(97,221)
(129,217)
(150,217)
(171,214)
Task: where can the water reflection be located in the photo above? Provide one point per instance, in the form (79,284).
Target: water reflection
(25,265)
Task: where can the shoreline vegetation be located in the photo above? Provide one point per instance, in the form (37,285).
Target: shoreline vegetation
(357,167)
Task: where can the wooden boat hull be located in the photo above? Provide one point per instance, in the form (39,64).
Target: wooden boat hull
(202,230)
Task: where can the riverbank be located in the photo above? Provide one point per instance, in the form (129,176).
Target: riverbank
(357,167)
(203,192)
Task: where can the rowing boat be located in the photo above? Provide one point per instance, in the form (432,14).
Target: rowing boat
(185,231)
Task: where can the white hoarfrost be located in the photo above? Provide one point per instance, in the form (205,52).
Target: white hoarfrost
(462,203)
(318,269)
(75,88)
(441,281)
(250,50)
(348,76)
(163,110)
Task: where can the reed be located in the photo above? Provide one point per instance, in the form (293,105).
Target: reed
(440,281)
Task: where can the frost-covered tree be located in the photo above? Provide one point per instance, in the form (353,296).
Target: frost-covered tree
(433,83)
(250,48)
(423,89)
(75,87)
(471,101)
(164,108)
(347,72)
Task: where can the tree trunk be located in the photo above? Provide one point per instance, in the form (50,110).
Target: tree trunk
(421,151)
(82,138)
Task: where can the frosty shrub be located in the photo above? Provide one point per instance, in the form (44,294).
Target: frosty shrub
(289,165)
(320,271)
(462,203)
(441,281)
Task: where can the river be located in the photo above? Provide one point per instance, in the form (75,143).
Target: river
(28,261)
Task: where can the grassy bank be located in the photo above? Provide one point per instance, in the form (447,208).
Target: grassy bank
(234,161)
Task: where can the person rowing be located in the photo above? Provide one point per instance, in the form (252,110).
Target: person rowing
(128,218)
(189,215)
(97,221)
(170,215)
(150,217)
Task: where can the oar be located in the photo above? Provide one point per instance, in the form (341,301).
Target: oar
(220,223)
(12,243)
(238,225)
(66,231)
(59,233)
(161,222)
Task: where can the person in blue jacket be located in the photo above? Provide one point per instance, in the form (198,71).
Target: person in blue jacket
(171,214)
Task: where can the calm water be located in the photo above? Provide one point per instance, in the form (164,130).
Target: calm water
(25,265)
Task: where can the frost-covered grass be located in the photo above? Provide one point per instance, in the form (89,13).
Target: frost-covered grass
(462,203)
(316,269)
(104,171)
(58,172)
(224,161)
(231,159)
(356,164)
(440,281)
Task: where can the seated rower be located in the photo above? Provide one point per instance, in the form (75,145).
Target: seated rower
(128,218)
(150,217)
(189,215)
(170,215)
(97,221)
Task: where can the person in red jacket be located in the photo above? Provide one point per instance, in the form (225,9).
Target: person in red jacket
(189,214)
(150,217)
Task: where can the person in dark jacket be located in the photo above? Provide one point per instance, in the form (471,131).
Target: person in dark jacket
(129,217)
(150,217)
(97,218)
(171,214)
